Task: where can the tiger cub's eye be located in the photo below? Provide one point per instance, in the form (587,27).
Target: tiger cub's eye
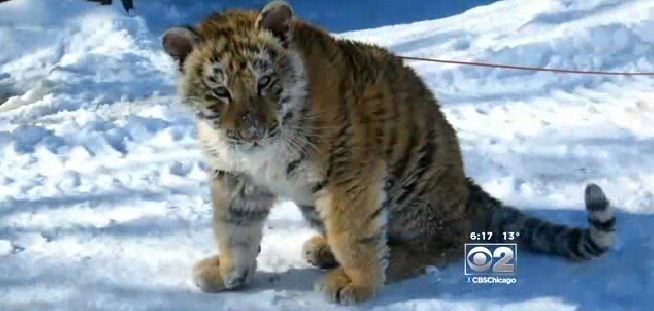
(263,82)
(210,98)
(222,92)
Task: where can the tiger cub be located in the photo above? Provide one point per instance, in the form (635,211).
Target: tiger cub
(355,138)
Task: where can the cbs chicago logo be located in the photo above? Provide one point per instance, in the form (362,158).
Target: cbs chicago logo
(491,259)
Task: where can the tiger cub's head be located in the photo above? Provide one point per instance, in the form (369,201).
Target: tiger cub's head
(237,72)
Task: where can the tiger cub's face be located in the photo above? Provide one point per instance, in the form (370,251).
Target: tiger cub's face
(238,92)
(236,74)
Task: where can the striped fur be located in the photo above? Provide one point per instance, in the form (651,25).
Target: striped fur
(356,139)
(240,208)
(543,236)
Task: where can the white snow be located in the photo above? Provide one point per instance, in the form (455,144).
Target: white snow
(104,199)
(5,248)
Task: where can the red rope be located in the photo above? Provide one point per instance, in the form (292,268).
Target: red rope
(515,67)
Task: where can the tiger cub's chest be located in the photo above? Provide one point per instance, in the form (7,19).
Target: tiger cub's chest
(275,166)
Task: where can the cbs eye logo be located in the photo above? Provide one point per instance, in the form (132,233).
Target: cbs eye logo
(487,259)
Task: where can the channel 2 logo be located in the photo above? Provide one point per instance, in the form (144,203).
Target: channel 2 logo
(491,259)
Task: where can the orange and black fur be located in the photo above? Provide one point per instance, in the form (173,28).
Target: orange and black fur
(355,139)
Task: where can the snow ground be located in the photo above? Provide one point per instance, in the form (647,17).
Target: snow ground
(104,199)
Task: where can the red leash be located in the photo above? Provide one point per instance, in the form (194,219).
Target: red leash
(514,67)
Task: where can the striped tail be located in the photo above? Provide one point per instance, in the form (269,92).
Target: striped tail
(543,236)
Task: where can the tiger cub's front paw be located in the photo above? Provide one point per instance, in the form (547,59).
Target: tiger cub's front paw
(210,275)
(338,288)
(206,275)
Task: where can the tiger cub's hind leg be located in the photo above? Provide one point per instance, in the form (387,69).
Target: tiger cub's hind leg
(404,263)
(316,251)
(408,260)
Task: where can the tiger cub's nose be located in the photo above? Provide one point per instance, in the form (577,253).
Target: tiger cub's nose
(253,128)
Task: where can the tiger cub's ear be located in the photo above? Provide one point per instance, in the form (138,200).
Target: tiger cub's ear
(277,17)
(178,42)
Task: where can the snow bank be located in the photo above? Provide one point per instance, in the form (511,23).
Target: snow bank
(104,200)
(549,133)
